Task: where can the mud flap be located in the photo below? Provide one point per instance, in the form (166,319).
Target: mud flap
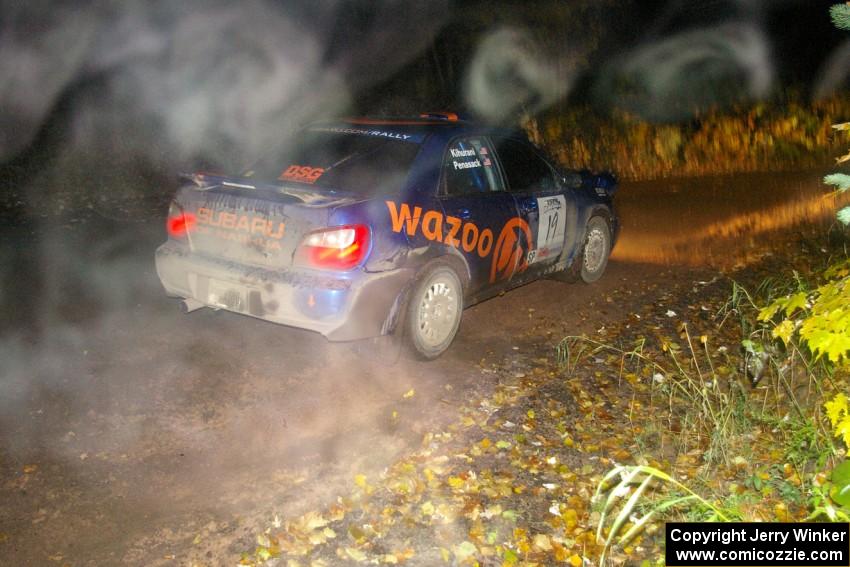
(397,310)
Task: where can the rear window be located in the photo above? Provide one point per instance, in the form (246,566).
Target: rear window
(360,163)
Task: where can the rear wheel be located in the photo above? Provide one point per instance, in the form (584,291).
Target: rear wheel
(597,247)
(434,311)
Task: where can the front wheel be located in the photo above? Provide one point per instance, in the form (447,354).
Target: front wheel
(434,311)
(597,247)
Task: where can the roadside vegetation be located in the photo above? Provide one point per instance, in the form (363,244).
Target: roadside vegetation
(790,133)
(795,340)
(770,422)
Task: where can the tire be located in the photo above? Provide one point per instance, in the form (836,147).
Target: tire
(434,311)
(596,249)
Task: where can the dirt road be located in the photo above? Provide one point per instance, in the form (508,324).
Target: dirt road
(132,434)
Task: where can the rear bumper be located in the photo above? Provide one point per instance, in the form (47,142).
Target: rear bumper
(341,307)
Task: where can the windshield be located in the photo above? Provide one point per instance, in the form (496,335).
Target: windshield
(365,164)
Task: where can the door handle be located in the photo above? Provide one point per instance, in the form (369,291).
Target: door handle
(464,213)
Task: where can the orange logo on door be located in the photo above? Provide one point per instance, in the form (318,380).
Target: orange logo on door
(511,252)
(509,255)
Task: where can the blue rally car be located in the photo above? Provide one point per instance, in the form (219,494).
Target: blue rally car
(366,227)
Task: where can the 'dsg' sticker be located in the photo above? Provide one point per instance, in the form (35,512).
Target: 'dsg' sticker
(551,226)
(302,174)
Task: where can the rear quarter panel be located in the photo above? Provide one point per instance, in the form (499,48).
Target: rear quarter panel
(392,216)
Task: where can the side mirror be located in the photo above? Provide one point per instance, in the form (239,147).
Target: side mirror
(605,181)
(603,184)
(572,180)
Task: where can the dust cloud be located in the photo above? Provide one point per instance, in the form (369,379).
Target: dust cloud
(676,77)
(102,102)
(100,105)
(509,76)
(834,74)
(194,80)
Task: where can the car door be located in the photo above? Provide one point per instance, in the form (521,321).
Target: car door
(477,212)
(544,203)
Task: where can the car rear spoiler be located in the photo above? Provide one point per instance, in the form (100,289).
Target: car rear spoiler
(307,195)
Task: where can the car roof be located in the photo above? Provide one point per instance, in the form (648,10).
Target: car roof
(422,127)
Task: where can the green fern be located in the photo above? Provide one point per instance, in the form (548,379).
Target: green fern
(841,15)
(840,180)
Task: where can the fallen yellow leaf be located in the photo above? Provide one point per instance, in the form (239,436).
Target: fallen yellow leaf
(355,554)
(542,542)
(313,520)
(360,480)
(464,550)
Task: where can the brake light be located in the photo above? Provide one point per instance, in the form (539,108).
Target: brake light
(337,248)
(179,223)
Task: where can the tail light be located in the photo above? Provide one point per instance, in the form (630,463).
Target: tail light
(337,248)
(179,223)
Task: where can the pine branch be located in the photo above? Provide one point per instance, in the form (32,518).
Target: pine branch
(840,180)
(841,15)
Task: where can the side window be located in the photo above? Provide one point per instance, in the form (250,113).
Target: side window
(469,168)
(524,168)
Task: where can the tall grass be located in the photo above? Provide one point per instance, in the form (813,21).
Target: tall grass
(686,378)
(768,386)
(620,510)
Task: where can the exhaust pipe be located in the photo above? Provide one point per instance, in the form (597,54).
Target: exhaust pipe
(188,305)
